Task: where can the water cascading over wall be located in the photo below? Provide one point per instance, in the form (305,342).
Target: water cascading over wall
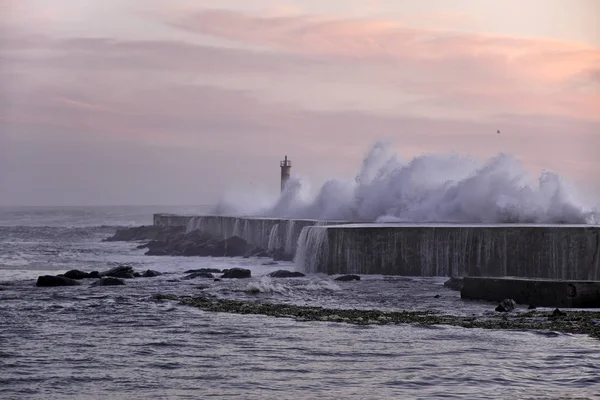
(268,233)
(549,251)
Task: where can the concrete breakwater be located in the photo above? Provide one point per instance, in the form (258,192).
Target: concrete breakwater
(456,250)
(534,251)
(268,233)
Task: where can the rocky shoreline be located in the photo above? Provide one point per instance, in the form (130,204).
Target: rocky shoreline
(573,322)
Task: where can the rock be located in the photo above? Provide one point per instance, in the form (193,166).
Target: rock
(531,307)
(121,271)
(195,275)
(108,281)
(95,274)
(280,255)
(145,232)
(454,283)
(437,296)
(257,252)
(236,273)
(76,274)
(506,305)
(558,313)
(282,273)
(151,273)
(234,246)
(211,270)
(347,278)
(217,280)
(52,281)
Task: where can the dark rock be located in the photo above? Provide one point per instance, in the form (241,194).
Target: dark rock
(282,273)
(76,274)
(146,232)
(137,275)
(142,246)
(257,252)
(506,305)
(211,270)
(156,253)
(195,275)
(234,246)
(280,255)
(151,273)
(236,273)
(121,271)
(437,296)
(108,281)
(51,281)
(217,280)
(95,274)
(531,307)
(454,283)
(347,278)
(558,313)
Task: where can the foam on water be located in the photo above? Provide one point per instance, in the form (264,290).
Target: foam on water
(429,188)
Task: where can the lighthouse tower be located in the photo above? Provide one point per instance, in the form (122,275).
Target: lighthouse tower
(286,167)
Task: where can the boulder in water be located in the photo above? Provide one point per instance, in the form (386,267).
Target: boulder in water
(236,273)
(211,270)
(51,281)
(195,275)
(151,274)
(108,281)
(282,273)
(347,278)
(506,305)
(122,271)
(76,274)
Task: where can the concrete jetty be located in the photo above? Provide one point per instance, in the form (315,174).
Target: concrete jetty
(268,233)
(520,250)
(566,252)
(538,292)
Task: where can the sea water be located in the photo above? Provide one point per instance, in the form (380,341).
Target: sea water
(117,342)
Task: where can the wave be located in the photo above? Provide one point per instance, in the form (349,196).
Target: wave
(444,188)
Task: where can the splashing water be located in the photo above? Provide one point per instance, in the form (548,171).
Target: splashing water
(431,188)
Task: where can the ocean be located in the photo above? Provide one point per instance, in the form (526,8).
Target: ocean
(119,342)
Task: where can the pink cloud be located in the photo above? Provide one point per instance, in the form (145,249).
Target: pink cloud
(505,67)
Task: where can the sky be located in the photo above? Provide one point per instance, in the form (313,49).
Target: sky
(113,102)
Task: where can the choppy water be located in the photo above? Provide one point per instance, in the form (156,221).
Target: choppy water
(117,342)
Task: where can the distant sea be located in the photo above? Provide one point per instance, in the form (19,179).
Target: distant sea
(85,342)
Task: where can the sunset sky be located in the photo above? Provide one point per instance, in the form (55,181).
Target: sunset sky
(178,101)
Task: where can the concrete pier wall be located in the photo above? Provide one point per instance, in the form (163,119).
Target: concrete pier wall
(535,251)
(268,233)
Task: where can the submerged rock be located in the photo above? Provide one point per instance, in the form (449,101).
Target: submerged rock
(236,273)
(52,281)
(506,305)
(347,278)
(108,281)
(195,275)
(210,270)
(282,273)
(122,271)
(76,274)
(151,273)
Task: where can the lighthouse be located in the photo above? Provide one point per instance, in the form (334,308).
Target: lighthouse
(286,167)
